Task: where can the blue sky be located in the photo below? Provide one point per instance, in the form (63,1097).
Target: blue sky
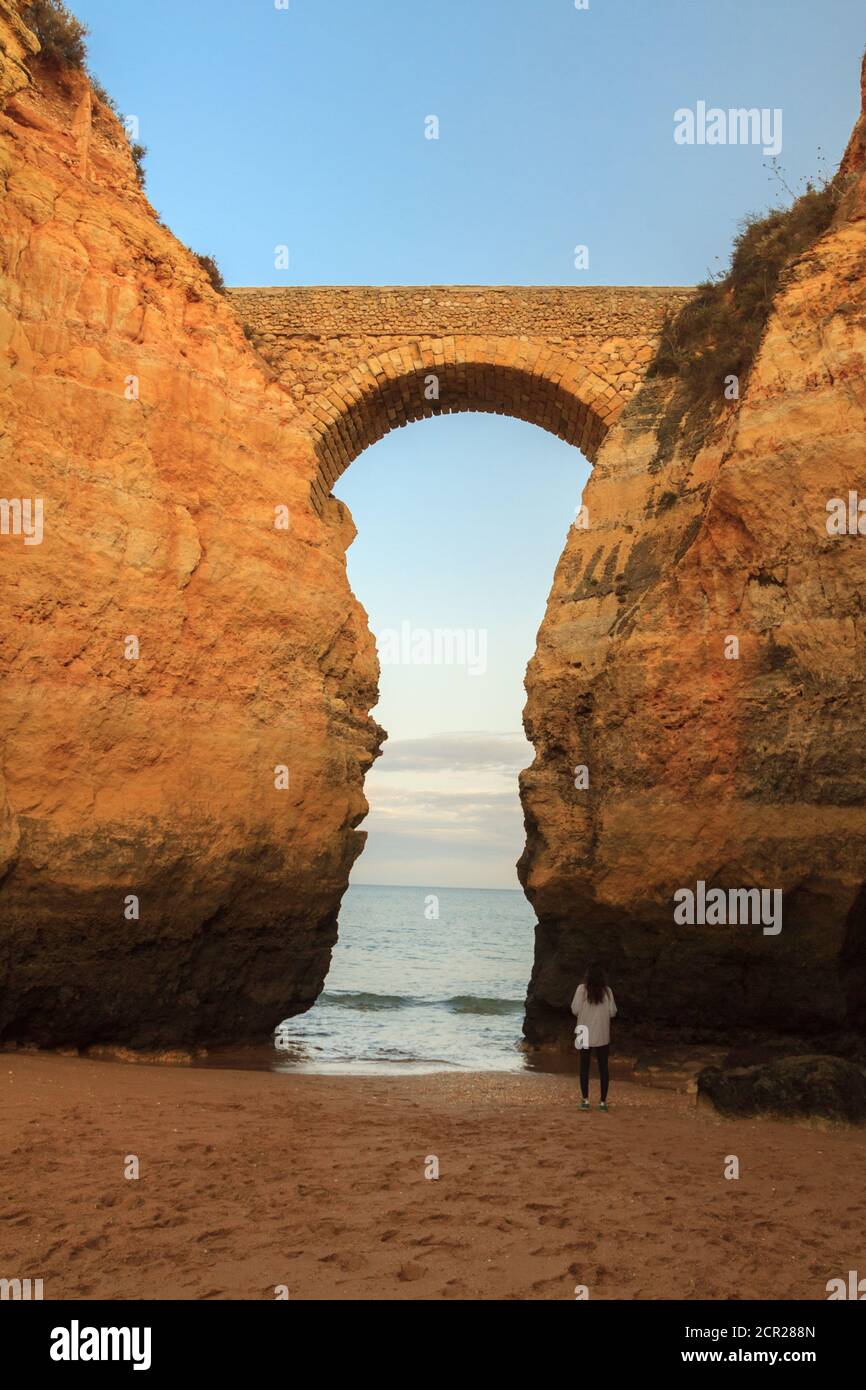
(305,127)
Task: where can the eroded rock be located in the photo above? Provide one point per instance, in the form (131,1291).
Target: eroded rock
(156,889)
(742,772)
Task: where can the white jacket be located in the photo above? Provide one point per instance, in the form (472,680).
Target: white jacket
(594,1018)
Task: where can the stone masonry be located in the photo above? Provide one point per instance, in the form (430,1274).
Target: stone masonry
(362,360)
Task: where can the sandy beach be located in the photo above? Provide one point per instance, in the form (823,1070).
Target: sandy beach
(250,1180)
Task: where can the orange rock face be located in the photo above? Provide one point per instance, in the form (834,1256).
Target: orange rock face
(737,765)
(182,629)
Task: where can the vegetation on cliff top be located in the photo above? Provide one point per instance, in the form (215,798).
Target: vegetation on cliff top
(716,335)
(61,35)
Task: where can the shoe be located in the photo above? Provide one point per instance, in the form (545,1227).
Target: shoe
(584,1105)
(602,1105)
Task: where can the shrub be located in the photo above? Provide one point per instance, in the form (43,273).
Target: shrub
(717,333)
(212,271)
(61,35)
(138,153)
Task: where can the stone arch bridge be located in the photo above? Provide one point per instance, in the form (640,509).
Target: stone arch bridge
(359,361)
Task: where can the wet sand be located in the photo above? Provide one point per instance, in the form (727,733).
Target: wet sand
(250,1180)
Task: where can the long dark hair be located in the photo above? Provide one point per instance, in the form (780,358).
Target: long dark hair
(595,983)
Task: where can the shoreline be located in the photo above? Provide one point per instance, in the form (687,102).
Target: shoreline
(674,1068)
(249,1180)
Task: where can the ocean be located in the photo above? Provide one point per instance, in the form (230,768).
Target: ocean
(420,979)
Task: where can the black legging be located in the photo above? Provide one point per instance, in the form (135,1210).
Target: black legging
(601,1054)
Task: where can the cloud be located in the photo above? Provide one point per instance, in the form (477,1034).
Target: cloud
(445,809)
(445,817)
(463,752)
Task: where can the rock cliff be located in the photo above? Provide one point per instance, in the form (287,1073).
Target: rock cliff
(736,764)
(156,887)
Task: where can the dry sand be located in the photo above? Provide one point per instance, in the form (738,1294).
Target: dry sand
(250,1180)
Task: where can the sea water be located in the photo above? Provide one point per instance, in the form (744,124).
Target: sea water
(420,978)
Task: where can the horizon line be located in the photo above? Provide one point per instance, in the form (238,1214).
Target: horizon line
(448,888)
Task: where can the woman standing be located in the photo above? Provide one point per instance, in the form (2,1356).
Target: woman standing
(593,1007)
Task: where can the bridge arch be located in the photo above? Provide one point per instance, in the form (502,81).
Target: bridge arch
(505,377)
(355,359)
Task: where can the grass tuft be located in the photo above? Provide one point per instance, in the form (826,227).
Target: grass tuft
(717,334)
